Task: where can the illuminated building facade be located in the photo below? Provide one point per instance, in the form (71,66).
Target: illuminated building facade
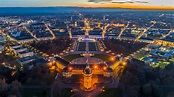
(87,71)
(164,42)
(87,74)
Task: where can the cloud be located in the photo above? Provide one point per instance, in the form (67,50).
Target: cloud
(141,1)
(98,1)
(117,1)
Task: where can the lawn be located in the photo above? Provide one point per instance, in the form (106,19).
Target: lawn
(103,57)
(33,92)
(92,46)
(111,92)
(71,57)
(140,55)
(162,64)
(172,60)
(82,46)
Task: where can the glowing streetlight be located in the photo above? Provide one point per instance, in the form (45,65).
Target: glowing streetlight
(124,63)
(70,68)
(113,58)
(95,67)
(104,68)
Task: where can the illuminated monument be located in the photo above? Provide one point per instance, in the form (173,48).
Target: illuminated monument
(87,74)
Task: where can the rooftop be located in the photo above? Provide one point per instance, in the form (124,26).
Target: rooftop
(25,59)
(27,51)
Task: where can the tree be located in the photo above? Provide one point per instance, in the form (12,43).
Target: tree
(3,87)
(129,79)
(15,88)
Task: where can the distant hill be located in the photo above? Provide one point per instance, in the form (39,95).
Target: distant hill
(18,11)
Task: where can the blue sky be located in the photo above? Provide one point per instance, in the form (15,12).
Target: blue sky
(21,3)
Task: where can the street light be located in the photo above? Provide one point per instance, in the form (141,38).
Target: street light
(95,66)
(124,63)
(70,68)
(113,58)
(104,68)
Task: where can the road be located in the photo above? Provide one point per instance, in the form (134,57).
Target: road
(30,32)
(145,30)
(104,30)
(52,33)
(167,34)
(119,36)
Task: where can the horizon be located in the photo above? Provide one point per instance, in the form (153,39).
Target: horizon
(125,4)
(159,8)
(90,48)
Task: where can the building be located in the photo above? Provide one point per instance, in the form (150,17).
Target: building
(13,46)
(25,60)
(161,55)
(86,70)
(87,74)
(21,51)
(30,62)
(2,38)
(20,35)
(167,41)
(1,47)
(39,31)
(25,53)
(147,40)
(98,69)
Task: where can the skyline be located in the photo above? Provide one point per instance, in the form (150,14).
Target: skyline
(94,48)
(140,4)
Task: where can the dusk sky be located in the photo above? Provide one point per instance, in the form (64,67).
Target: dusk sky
(86,3)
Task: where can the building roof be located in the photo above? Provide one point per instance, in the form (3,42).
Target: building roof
(62,61)
(83,66)
(170,39)
(26,51)
(25,59)
(15,45)
(37,61)
(22,47)
(145,38)
(161,53)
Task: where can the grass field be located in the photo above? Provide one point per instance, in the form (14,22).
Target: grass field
(103,57)
(82,46)
(92,46)
(172,60)
(71,57)
(162,64)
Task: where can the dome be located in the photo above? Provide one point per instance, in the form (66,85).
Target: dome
(87,71)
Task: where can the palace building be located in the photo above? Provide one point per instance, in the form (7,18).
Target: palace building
(87,70)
